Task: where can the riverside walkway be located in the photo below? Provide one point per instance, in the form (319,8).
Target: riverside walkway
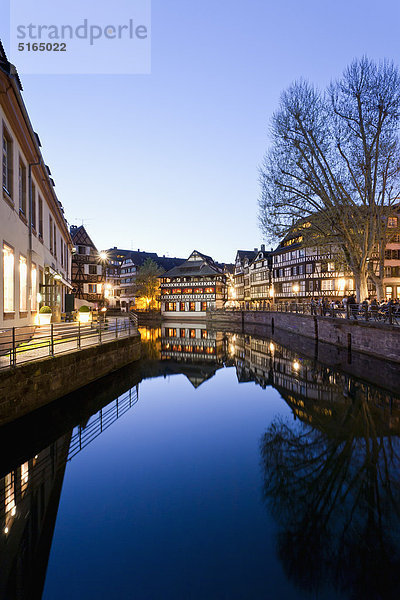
(20,345)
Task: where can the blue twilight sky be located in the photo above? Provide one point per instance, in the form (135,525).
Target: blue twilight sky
(168,162)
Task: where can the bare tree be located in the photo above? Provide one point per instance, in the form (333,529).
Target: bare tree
(334,163)
(335,493)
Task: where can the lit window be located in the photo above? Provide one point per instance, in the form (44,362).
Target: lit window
(9,495)
(192,306)
(23,275)
(392,222)
(209,290)
(33,286)
(24,476)
(204,306)
(8,278)
(327,284)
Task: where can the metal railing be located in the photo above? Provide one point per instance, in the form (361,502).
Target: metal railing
(45,462)
(19,345)
(104,418)
(388,313)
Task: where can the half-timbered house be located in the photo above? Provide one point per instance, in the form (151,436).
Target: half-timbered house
(192,288)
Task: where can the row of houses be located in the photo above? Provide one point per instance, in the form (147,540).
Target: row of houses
(291,272)
(295,272)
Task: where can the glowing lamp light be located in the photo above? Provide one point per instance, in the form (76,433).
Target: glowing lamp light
(84,317)
(13,511)
(103,310)
(272,347)
(296,365)
(6,530)
(57,277)
(296,288)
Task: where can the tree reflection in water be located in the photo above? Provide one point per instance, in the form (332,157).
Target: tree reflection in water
(337,500)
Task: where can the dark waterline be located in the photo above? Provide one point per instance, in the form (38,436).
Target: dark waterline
(224,466)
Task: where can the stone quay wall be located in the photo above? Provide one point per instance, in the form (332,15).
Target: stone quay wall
(32,385)
(380,340)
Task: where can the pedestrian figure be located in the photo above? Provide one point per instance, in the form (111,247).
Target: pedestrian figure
(374,308)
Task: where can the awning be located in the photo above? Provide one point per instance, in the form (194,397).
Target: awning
(57,276)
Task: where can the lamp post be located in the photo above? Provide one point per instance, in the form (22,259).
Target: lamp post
(103,256)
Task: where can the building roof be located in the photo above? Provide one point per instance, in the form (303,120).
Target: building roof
(197,264)
(249,254)
(138,257)
(80,236)
(8,67)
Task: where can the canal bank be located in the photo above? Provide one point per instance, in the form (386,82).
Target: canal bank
(375,339)
(32,385)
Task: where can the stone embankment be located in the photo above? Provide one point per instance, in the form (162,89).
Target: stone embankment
(34,384)
(376,339)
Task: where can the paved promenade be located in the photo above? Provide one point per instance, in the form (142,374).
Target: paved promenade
(62,338)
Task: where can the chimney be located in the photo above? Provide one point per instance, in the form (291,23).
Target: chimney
(138,249)
(255,249)
(262,247)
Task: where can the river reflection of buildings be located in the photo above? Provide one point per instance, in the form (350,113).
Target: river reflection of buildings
(182,341)
(193,350)
(331,474)
(317,394)
(29,497)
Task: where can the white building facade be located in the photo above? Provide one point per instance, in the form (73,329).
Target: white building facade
(36,246)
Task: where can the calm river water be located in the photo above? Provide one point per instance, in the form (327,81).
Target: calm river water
(225,466)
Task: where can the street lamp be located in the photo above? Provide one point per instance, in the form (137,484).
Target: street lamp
(103,259)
